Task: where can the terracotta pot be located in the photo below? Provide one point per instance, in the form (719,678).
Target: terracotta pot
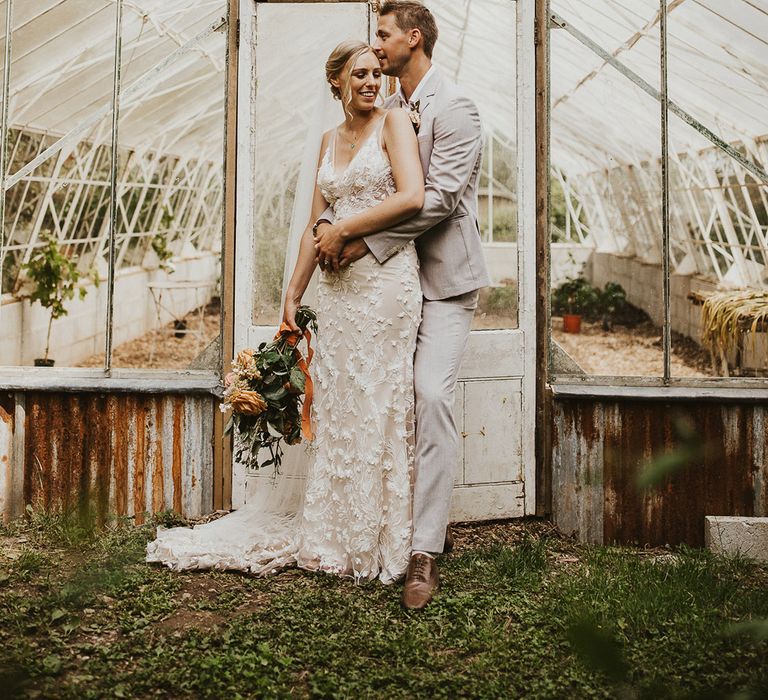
(41,362)
(572,323)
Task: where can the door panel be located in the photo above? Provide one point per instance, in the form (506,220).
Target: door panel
(494,406)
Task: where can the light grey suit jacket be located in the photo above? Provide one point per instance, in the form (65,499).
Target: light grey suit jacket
(446,231)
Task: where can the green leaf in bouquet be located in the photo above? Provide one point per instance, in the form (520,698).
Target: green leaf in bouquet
(274,431)
(230,425)
(306,317)
(246,422)
(298,380)
(280,393)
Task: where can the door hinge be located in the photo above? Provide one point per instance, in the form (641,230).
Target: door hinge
(237,33)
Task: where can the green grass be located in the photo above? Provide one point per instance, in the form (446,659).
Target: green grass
(522,612)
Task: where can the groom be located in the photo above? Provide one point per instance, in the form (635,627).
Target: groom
(452,268)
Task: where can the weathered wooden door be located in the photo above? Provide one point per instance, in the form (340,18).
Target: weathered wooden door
(495,397)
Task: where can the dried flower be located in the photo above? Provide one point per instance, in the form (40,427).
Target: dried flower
(414,114)
(250,403)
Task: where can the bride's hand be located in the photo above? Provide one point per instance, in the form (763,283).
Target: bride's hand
(289,313)
(328,244)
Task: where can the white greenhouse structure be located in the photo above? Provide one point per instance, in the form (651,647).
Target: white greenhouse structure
(150,155)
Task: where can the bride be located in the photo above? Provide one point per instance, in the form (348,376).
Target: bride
(356,514)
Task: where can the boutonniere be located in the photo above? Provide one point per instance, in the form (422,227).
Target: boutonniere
(414,114)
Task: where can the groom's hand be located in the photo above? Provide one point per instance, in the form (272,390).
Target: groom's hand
(354,250)
(328,244)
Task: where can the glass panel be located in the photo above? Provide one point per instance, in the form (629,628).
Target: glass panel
(56,208)
(290,87)
(606,193)
(170,187)
(484,67)
(719,209)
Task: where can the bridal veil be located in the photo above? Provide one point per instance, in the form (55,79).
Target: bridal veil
(259,537)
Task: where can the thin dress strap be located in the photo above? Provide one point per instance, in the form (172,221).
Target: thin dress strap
(333,148)
(380,127)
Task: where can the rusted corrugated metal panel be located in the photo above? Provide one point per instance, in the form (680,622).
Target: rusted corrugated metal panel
(123,454)
(11,455)
(599,447)
(7,408)
(577,459)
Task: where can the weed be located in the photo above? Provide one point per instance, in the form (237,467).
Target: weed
(511,620)
(29,563)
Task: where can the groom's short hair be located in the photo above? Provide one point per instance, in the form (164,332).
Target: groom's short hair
(413,15)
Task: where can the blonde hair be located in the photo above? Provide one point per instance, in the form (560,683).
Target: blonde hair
(342,60)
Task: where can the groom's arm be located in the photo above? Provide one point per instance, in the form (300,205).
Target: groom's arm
(458,142)
(327,217)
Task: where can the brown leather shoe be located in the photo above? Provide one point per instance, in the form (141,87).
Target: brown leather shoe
(422,581)
(448,546)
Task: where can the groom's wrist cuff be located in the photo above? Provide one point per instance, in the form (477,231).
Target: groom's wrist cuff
(317,223)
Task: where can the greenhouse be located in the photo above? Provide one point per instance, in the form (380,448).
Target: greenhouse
(151,153)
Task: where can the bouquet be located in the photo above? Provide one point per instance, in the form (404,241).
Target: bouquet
(264,392)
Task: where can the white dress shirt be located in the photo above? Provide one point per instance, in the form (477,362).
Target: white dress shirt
(419,88)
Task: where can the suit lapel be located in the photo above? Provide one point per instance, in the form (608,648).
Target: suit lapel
(431,87)
(425,101)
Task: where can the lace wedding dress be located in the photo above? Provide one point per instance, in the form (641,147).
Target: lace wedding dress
(356,514)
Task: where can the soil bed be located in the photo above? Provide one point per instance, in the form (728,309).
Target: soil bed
(634,350)
(166,348)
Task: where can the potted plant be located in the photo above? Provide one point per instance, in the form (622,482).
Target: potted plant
(574,298)
(55,278)
(611,301)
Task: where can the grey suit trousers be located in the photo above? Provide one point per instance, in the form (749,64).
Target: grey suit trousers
(441,342)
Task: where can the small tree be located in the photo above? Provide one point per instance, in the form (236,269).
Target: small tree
(55,277)
(159,244)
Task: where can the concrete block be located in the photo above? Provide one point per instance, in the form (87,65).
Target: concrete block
(621,265)
(570,260)
(601,269)
(736,534)
(680,285)
(679,314)
(755,355)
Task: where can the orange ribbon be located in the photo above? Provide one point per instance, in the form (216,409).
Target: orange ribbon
(293,338)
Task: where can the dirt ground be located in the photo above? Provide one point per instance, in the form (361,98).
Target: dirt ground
(166,349)
(630,351)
